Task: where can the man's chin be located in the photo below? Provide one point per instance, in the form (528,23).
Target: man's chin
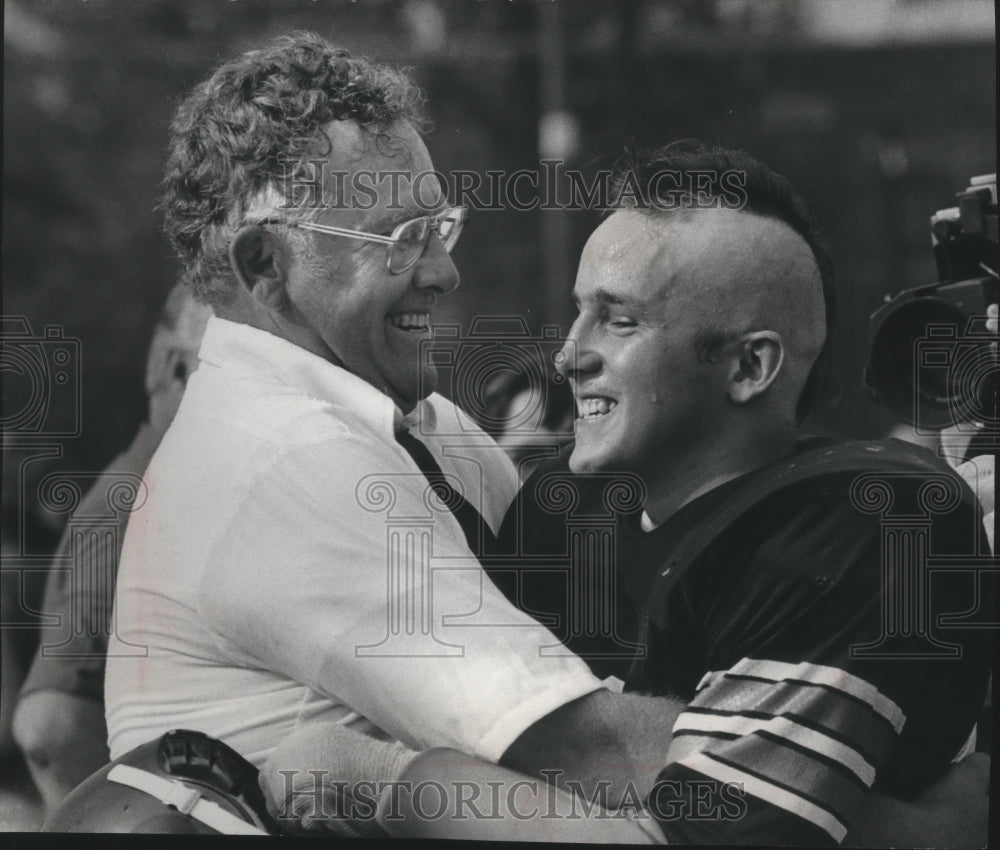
(424,384)
(427,382)
(590,460)
(582,461)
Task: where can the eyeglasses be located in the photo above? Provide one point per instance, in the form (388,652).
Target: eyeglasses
(408,240)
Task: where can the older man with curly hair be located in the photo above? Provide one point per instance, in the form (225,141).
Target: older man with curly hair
(258,591)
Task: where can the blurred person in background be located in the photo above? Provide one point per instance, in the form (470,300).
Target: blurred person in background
(20,517)
(59,720)
(954,444)
(512,398)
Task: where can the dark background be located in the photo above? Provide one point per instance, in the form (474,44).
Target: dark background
(879,111)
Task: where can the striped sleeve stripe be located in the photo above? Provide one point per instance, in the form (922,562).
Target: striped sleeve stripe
(768,792)
(851,721)
(815,674)
(802,772)
(780,727)
(709,679)
(685,744)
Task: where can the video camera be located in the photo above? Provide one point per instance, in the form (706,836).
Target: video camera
(931,361)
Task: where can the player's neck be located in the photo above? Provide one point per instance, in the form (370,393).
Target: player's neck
(698,472)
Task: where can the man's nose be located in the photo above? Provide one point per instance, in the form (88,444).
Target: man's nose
(575,360)
(435,268)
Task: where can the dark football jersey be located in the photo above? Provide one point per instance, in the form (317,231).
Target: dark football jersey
(830,634)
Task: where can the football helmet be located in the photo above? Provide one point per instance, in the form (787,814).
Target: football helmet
(183,783)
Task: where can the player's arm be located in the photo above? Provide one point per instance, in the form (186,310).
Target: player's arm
(776,752)
(953,810)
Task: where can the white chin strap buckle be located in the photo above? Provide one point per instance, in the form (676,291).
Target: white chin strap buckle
(183,798)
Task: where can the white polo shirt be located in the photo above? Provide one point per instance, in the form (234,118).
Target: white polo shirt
(290,564)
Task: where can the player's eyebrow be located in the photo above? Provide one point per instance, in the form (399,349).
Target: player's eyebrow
(603,296)
(606,298)
(605,301)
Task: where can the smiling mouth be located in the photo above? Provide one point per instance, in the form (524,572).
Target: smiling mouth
(592,409)
(415,323)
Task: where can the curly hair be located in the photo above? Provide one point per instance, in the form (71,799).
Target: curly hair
(760,190)
(234,136)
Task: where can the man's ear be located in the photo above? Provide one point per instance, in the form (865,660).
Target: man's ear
(258,260)
(758,360)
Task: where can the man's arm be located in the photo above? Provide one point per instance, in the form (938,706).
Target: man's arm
(488,802)
(327,779)
(617,741)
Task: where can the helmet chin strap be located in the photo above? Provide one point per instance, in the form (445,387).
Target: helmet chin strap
(183,798)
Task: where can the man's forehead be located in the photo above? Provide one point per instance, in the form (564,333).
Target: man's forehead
(386,175)
(351,145)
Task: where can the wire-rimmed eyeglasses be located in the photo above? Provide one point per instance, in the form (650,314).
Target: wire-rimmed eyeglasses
(408,240)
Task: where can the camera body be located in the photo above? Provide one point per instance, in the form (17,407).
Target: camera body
(931,361)
(497,348)
(41,381)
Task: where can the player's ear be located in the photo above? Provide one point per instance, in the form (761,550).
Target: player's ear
(757,362)
(259,259)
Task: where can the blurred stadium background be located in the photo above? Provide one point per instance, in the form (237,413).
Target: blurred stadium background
(879,110)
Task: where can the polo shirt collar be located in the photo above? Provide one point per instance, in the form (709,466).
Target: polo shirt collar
(234,345)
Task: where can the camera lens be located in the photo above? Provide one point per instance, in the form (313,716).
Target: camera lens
(910,368)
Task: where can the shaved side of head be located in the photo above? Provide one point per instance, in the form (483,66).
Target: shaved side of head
(732,272)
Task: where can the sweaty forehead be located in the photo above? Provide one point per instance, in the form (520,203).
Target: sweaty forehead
(621,256)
